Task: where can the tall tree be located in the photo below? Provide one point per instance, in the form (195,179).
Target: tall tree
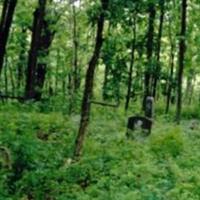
(42,37)
(22,60)
(76,70)
(182,49)
(44,45)
(130,75)
(86,104)
(5,24)
(171,74)
(33,53)
(150,44)
(158,68)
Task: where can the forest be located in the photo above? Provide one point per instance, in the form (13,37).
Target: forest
(99,100)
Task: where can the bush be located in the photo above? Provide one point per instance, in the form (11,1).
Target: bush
(170,143)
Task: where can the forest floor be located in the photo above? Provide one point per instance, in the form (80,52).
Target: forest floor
(36,149)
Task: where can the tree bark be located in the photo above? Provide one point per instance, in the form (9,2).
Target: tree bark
(41,40)
(105,82)
(158,68)
(130,78)
(45,42)
(5,24)
(33,53)
(76,70)
(21,61)
(170,79)
(150,37)
(182,49)
(86,104)
(6,76)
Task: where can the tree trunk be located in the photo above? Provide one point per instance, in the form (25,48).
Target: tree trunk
(130,78)
(41,40)
(189,87)
(158,68)
(150,35)
(76,70)
(11,78)
(182,49)
(5,24)
(6,76)
(86,104)
(105,82)
(33,53)
(170,79)
(21,61)
(45,42)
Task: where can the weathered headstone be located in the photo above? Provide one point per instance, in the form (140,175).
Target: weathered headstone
(149,107)
(140,122)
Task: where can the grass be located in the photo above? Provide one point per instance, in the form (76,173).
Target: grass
(163,166)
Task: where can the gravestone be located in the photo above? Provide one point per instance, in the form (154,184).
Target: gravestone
(149,107)
(143,123)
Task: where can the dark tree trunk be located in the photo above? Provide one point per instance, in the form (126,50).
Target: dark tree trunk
(130,78)
(5,24)
(41,40)
(170,79)
(76,70)
(11,79)
(150,37)
(105,83)
(86,104)
(45,42)
(182,49)
(6,76)
(33,53)
(189,87)
(158,68)
(21,61)
(57,73)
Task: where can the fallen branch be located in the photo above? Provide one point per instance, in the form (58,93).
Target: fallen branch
(11,97)
(105,104)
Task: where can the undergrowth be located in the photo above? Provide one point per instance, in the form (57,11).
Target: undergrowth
(36,158)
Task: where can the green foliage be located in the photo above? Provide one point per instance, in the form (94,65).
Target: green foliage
(171,142)
(164,165)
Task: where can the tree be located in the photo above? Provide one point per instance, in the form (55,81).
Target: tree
(149,46)
(158,68)
(182,49)
(39,15)
(86,104)
(130,75)
(42,36)
(5,24)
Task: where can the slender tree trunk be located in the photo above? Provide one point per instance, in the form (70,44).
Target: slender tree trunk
(105,83)
(57,69)
(76,70)
(182,49)
(191,94)
(5,24)
(5,75)
(130,78)
(150,37)
(21,61)
(170,79)
(12,81)
(189,88)
(85,112)
(158,69)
